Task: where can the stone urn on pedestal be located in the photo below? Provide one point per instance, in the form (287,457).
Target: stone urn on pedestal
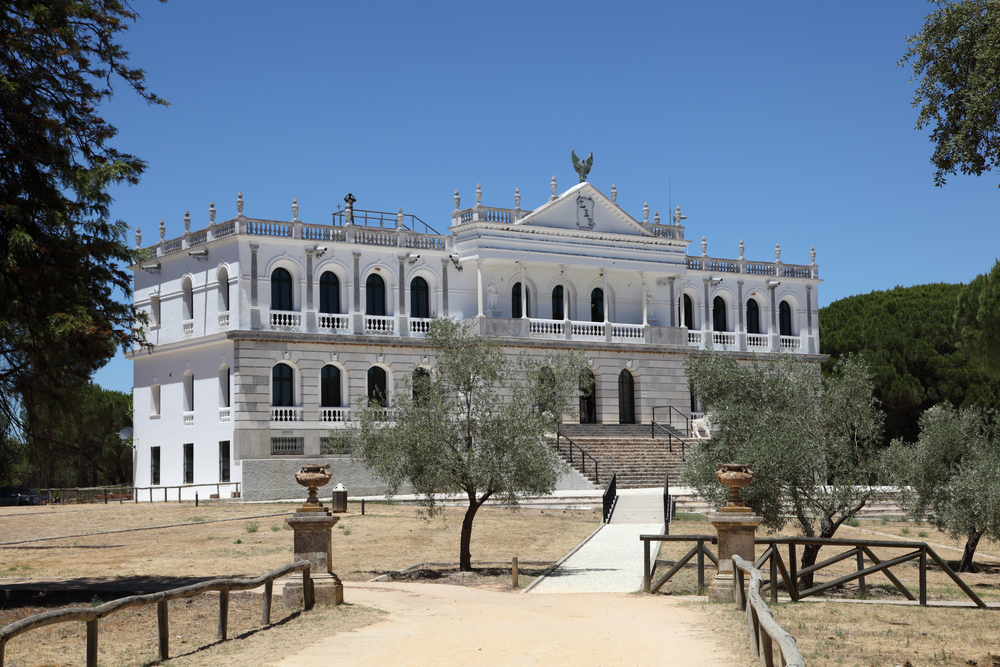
(311,525)
(736,525)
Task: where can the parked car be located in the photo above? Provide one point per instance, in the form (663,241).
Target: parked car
(19,495)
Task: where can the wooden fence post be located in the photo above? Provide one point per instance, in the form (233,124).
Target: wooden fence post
(773,550)
(514,573)
(793,570)
(265,618)
(923,576)
(163,626)
(307,590)
(645,566)
(92,643)
(862,588)
(223,613)
(701,567)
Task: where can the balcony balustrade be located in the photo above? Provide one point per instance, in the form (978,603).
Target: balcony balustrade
(790,342)
(189,419)
(225,415)
(286,414)
(420,326)
(338,415)
(627,333)
(757,340)
(547,328)
(723,338)
(284,319)
(378,324)
(188,328)
(592,331)
(694,337)
(224,320)
(328,322)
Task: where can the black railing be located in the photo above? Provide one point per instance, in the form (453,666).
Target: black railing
(669,506)
(676,421)
(610,497)
(671,436)
(583,454)
(385,220)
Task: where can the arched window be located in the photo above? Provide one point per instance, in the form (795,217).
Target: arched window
(188,299)
(753,317)
(188,391)
(224,386)
(688,312)
(329,293)
(785,319)
(588,397)
(375,295)
(282,395)
(516,301)
(719,314)
(597,305)
(223,290)
(281,290)
(421,384)
(377,385)
(419,298)
(557,303)
(626,398)
(329,387)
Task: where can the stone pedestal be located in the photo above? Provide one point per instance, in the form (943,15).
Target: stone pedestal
(737,527)
(312,531)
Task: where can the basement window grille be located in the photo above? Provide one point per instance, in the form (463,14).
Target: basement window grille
(333,445)
(287,446)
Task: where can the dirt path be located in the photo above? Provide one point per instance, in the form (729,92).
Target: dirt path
(443,626)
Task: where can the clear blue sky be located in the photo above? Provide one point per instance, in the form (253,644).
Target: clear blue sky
(774,122)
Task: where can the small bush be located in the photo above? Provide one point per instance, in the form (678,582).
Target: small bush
(238,542)
(96,601)
(922,533)
(853,523)
(885,521)
(905,530)
(252,526)
(345,530)
(275,527)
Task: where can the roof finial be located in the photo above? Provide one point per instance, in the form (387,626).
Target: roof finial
(645,211)
(656,218)
(517,197)
(479,194)
(211,213)
(553,187)
(678,217)
(163,229)
(777,252)
(295,209)
(704,246)
(239,204)
(399,218)
(187,221)
(614,194)
(458,200)
(741,248)
(812,255)
(138,237)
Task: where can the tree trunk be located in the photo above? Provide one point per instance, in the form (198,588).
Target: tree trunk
(966,565)
(465,558)
(809,554)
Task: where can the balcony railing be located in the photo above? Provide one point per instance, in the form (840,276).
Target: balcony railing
(790,342)
(379,324)
(777,269)
(188,328)
(224,320)
(594,331)
(286,319)
(627,333)
(334,322)
(286,414)
(338,415)
(547,328)
(723,338)
(694,337)
(420,326)
(757,340)
(224,415)
(189,419)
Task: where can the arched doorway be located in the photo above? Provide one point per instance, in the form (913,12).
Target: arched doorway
(588,397)
(626,398)
(282,393)
(281,290)
(688,312)
(375,295)
(557,303)
(719,314)
(516,301)
(785,319)
(329,387)
(597,305)
(329,293)
(419,300)
(421,385)
(753,317)
(377,386)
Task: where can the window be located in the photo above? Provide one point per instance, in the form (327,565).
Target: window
(515,302)
(588,397)
(419,298)
(375,295)
(154,466)
(785,319)
(329,390)
(281,290)
(329,293)
(187,299)
(753,317)
(224,386)
(626,398)
(719,314)
(421,385)
(188,391)
(189,463)
(557,303)
(597,305)
(154,401)
(377,386)
(154,311)
(223,290)
(281,386)
(224,461)
(688,312)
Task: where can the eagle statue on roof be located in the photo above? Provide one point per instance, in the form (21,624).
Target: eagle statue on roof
(582,168)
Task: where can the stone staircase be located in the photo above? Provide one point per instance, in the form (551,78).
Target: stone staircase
(627,449)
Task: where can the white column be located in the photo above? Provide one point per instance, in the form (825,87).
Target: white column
(524,293)
(479,280)
(645,321)
(562,272)
(607,316)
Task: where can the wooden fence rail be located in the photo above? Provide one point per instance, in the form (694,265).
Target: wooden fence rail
(91,615)
(764,630)
(130,493)
(699,550)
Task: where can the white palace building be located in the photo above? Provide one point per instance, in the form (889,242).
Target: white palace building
(266,333)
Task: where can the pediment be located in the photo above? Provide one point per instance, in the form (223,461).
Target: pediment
(587,209)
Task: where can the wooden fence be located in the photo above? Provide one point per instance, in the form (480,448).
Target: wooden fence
(91,615)
(96,494)
(764,630)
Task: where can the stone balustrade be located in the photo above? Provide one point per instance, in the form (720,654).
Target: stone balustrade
(742,266)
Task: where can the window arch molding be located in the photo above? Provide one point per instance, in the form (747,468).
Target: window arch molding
(515,279)
(296,274)
(430,280)
(697,315)
(223,285)
(569,298)
(609,297)
(296,385)
(187,297)
(343,273)
(372,376)
(389,283)
(333,392)
(795,308)
(755,322)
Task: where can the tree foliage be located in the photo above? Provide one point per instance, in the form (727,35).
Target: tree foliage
(906,336)
(977,322)
(956,64)
(952,474)
(476,428)
(809,439)
(61,259)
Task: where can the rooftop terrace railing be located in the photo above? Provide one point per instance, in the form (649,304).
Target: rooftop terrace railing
(384,220)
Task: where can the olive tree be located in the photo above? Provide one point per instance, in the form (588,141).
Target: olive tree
(809,439)
(476,427)
(952,475)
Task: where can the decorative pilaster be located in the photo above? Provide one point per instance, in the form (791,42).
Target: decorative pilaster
(311,324)
(742,335)
(607,303)
(706,326)
(356,316)
(645,313)
(775,340)
(673,311)
(254,308)
(479,285)
(567,327)
(524,292)
(811,340)
(444,285)
(401,319)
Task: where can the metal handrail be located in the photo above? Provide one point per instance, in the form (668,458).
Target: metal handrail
(384,220)
(583,452)
(764,630)
(671,436)
(610,498)
(668,505)
(671,410)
